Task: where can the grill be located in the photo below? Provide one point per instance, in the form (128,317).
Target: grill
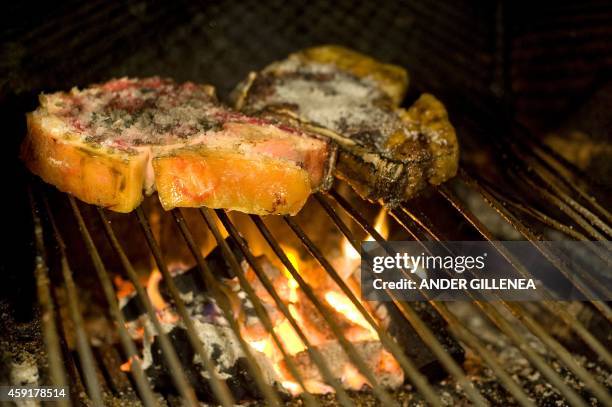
(510,318)
(524,185)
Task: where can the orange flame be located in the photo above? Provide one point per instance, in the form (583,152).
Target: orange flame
(127,366)
(160,305)
(381,224)
(351,256)
(294,259)
(343,305)
(124,287)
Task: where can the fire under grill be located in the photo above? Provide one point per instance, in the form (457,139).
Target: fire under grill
(388,353)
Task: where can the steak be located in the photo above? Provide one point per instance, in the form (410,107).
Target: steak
(109,142)
(386,153)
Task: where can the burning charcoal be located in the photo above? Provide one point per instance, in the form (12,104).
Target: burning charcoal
(223,350)
(386,370)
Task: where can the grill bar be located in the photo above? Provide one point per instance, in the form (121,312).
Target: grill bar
(51,338)
(523,167)
(313,352)
(540,160)
(268,392)
(597,389)
(350,350)
(416,225)
(494,315)
(412,372)
(142,384)
(82,343)
(535,359)
(531,236)
(557,165)
(385,338)
(600,252)
(169,353)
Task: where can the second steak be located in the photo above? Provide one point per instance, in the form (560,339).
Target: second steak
(386,153)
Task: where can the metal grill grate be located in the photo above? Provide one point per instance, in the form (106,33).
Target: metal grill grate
(507,316)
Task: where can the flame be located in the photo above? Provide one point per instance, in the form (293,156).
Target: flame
(124,287)
(161,306)
(381,224)
(292,387)
(153,291)
(291,340)
(294,259)
(350,255)
(343,305)
(127,366)
(355,325)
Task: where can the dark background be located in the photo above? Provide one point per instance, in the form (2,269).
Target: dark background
(531,62)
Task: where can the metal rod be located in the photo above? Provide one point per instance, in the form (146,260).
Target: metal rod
(417,323)
(51,339)
(598,251)
(82,342)
(141,380)
(534,358)
(572,397)
(178,376)
(569,210)
(528,161)
(315,355)
(269,394)
(555,165)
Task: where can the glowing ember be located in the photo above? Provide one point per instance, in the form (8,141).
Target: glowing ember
(343,305)
(355,326)
(351,377)
(127,366)
(293,387)
(124,287)
(291,340)
(153,291)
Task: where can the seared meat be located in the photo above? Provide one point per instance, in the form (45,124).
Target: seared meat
(385,152)
(107,143)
